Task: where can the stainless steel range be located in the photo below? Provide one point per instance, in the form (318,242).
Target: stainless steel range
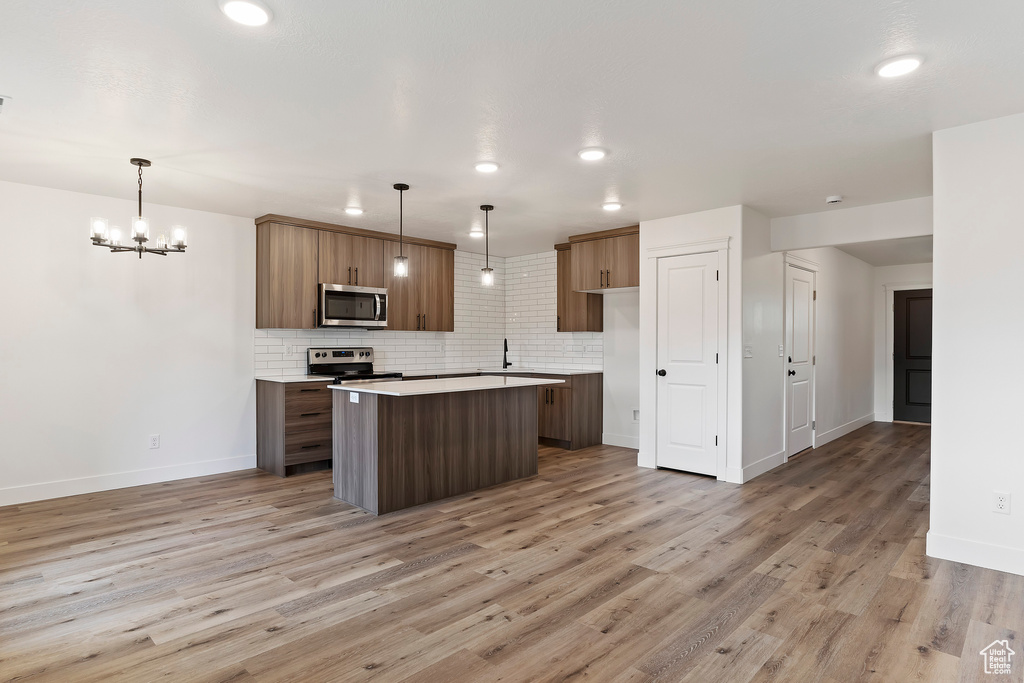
(346,365)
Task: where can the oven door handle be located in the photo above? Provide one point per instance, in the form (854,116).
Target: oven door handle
(376,306)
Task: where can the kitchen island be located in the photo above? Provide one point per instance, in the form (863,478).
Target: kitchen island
(400,444)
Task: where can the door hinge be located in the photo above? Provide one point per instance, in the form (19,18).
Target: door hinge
(716,439)
(814,360)
(716,276)
(815,295)
(716,359)
(813,425)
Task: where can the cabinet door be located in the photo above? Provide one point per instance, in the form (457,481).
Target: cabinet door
(367,258)
(351,260)
(554,413)
(403,299)
(588,262)
(286,277)
(622,261)
(438,288)
(576,311)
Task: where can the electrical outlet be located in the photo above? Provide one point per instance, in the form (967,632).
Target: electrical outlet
(1001,502)
(154,441)
(781,351)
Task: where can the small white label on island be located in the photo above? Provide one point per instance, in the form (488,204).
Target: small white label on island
(353,397)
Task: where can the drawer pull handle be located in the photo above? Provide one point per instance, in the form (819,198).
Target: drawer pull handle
(307,390)
(306,448)
(310,414)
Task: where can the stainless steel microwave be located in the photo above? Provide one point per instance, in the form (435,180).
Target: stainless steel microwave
(349,306)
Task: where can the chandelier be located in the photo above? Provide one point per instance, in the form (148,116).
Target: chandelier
(105,236)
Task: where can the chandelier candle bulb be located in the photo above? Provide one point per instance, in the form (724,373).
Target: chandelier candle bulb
(115,236)
(179,237)
(140,229)
(161,241)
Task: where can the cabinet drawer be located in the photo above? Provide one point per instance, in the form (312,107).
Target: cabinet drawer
(307,408)
(298,442)
(310,455)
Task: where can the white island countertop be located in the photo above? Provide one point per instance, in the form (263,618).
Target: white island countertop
(418,387)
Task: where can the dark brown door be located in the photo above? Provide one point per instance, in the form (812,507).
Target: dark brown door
(912,355)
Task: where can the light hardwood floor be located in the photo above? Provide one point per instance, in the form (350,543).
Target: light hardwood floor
(595,569)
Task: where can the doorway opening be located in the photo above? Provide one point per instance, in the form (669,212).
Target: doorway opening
(912,356)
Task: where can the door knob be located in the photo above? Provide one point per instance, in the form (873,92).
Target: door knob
(791,359)
(661,373)
(792,372)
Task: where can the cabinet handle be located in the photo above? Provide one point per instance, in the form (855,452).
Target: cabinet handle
(602,278)
(314,318)
(558,323)
(306,448)
(350,274)
(417,321)
(357,275)
(552,396)
(608,276)
(305,390)
(424,321)
(310,414)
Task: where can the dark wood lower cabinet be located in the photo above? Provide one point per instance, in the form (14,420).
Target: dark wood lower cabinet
(293,426)
(570,415)
(394,452)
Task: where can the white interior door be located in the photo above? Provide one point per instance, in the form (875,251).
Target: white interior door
(687,363)
(800,298)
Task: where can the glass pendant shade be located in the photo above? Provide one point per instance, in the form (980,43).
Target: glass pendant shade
(179,237)
(98,228)
(140,228)
(115,236)
(401,266)
(487,276)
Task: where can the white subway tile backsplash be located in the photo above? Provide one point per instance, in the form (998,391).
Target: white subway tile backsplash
(521,306)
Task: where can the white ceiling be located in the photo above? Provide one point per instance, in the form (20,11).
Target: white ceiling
(703,104)
(899,252)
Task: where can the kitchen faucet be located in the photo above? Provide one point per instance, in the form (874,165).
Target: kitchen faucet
(504,360)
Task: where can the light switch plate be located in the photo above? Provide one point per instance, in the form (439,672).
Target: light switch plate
(353,397)
(748,351)
(782,351)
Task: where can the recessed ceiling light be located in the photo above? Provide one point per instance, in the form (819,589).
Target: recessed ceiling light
(247,12)
(611,206)
(486,167)
(353,211)
(834,199)
(898,66)
(592,153)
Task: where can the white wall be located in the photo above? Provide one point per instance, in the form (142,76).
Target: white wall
(621,368)
(886,279)
(100,350)
(976,409)
(475,343)
(531,305)
(763,372)
(844,343)
(891,220)
(725,223)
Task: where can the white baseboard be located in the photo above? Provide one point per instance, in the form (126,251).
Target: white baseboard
(620,440)
(17,495)
(842,430)
(998,557)
(883,416)
(737,475)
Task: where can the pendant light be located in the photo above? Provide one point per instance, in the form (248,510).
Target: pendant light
(401,261)
(487,273)
(104,236)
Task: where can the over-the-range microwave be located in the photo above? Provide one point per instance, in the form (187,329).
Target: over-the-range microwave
(349,306)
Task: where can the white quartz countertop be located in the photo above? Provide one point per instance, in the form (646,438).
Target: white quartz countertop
(534,371)
(296,378)
(419,387)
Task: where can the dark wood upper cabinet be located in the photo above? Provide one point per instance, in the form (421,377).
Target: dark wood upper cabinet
(294,255)
(576,311)
(286,276)
(351,259)
(424,300)
(605,260)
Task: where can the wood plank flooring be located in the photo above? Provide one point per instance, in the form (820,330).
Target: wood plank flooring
(595,569)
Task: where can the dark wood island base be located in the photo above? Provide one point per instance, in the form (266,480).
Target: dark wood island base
(395,452)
